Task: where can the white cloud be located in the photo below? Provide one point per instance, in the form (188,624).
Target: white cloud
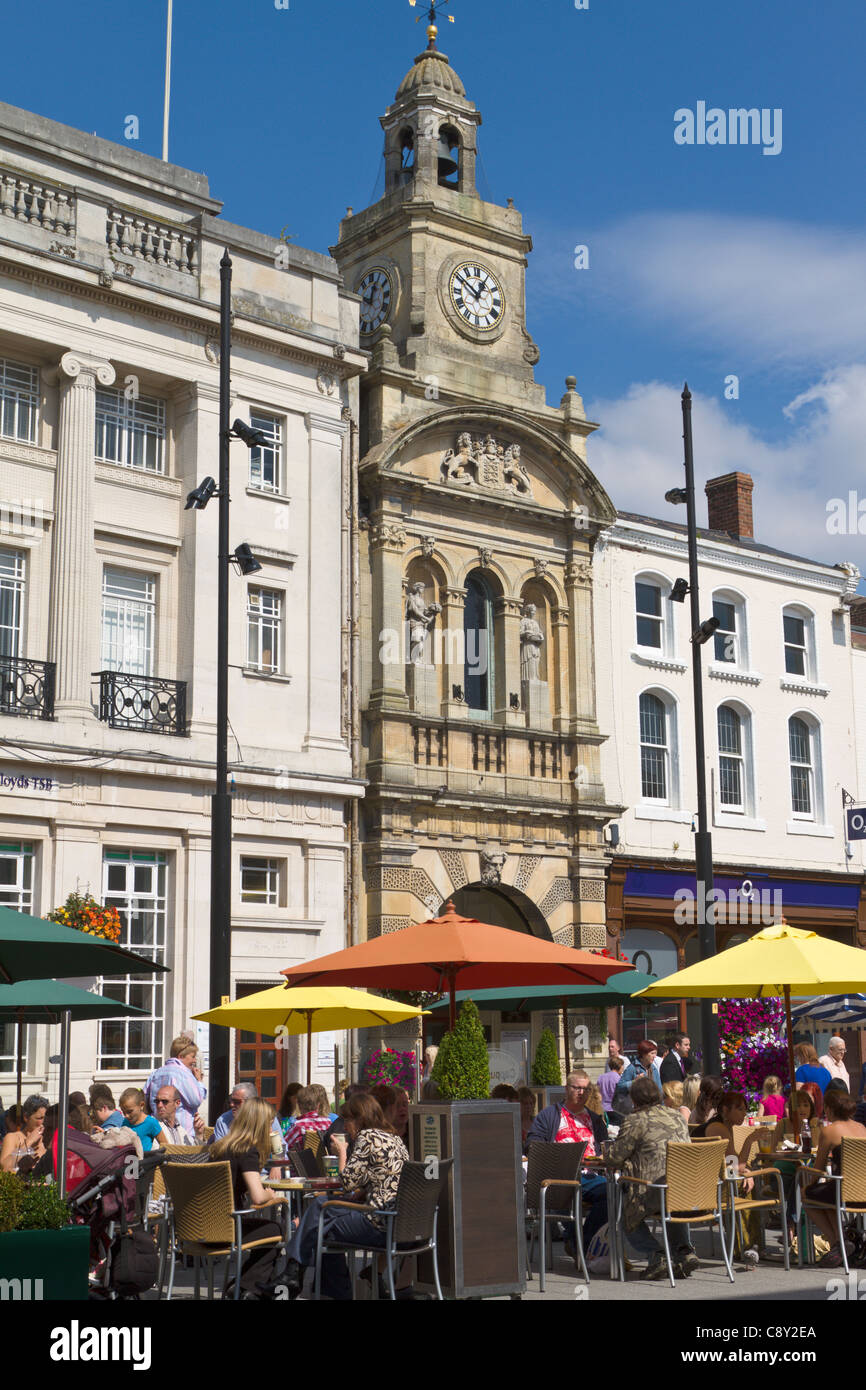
(637,456)
(766,292)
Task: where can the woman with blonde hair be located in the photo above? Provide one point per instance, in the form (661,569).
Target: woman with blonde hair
(673,1094)
(691,1090)
(246,1148)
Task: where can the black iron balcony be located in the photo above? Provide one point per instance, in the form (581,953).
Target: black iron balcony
(27,687)
(142,702)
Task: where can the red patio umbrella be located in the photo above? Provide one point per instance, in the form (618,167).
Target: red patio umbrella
(434,955)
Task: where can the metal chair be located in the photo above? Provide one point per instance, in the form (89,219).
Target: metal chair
(552,1186)
(410,1225)
(691,1193)
(850,1192)
(738,1206)
(206,1226)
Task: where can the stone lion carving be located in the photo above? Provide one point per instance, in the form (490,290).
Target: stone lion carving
(486,463)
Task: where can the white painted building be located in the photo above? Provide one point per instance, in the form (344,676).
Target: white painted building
(779,689)
(109,330)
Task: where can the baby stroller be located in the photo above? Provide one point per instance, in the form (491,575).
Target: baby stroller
(108,1192)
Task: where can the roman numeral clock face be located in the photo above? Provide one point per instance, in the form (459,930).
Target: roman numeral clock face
(477,296)
(376,294)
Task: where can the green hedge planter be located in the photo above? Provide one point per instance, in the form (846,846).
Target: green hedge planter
(40,1266)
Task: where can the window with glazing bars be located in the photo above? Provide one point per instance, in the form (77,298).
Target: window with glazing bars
(12,571)
(653,749)
(266,460)
(264,621)
(800,745)
(725,636)
(731,780)
(260,881)
(130,432)
(16,891)
(795,644)
(648,603)
(128,620)
(19,401)
(135,883)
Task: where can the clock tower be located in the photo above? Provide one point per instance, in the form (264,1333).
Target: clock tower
(480,740)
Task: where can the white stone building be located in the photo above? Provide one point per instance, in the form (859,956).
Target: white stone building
(779,689)
(109,329)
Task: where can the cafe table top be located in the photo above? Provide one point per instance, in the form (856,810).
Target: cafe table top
(302,1184)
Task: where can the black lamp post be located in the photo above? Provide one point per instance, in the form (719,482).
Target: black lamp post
(221,802)
(701,633)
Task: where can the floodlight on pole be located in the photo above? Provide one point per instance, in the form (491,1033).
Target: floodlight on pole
(253,438)
(201,495)
(245,560)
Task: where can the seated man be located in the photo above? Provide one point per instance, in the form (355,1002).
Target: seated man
(572,1123)
(245,1090)
(165,1108)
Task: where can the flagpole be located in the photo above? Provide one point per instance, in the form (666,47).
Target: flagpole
(167,83)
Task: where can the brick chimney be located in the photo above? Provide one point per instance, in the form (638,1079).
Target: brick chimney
(729,504)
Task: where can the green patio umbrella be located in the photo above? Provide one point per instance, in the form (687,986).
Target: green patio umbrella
(44,1001)
(32,948)
(532,999)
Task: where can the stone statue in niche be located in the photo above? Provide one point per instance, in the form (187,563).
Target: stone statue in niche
(492,865)
(460,467)
(420,616)
(514,472)
(531,639)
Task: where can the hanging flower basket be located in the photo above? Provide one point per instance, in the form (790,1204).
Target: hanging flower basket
(83,913)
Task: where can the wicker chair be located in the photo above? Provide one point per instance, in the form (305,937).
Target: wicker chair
(313,1145)
(691,1193)
(738,1205)
(161,1219)
(410,1225)
(552,1187)
(206,1225)
(850,1191)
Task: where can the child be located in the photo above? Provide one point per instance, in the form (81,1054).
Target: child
(136,1119)
(772,1104)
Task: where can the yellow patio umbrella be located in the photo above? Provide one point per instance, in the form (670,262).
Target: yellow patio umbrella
(308,1009)
(772,964)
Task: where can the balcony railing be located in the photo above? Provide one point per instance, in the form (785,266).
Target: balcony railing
(27,687)
(142,702)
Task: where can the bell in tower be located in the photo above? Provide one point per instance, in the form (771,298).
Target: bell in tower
(430,129)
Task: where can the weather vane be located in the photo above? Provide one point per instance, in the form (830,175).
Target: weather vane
(431,16)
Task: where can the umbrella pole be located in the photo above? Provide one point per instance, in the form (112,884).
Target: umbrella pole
(564,1003)
(452,1002)
(309,1043)
(790,1030)
(63,1117)
(20,1056)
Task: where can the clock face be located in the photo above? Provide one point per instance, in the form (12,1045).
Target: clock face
(376,293)
(477,296)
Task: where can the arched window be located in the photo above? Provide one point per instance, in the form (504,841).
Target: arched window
(654,749)
(407,152)
(732,768)
(798,632)
(449,157)
(801,746)
(478,645)
(649,613)
(730,638)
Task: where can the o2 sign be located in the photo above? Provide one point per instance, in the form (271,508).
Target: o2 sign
(856,818)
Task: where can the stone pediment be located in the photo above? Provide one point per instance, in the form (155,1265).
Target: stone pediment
(480,453)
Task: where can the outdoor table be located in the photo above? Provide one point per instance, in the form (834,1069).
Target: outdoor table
(610,1170)
(303,1187)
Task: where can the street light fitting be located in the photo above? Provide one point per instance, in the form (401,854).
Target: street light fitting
(201,495)
(679,591)
(676,495)
(704,632)
(254,439)
(245,559)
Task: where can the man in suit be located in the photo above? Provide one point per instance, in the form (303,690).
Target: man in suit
(675,1065)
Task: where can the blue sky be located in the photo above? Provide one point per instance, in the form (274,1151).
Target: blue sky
(705,261)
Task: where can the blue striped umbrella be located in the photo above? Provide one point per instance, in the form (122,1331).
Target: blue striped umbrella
(848,1010)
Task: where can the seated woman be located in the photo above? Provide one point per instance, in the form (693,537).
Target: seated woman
(641,1150)
(387,1098)
(287,1112)
(528,1101)
(673,1094)
(709,1094)
(370,1176)
(505,1092)
(809,1068)
(247,1148)
(25,1146)
(732,1112)
(771,1106)
(691,1091)
(839,1109)
(401,1115)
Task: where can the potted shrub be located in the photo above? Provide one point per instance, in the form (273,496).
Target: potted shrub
(481,1227)
(546,1070)
(42,1256)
